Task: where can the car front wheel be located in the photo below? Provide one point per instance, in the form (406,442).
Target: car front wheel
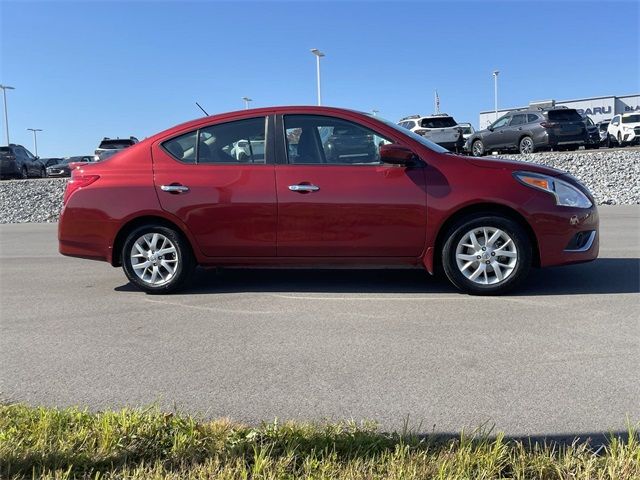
(486,255)
(157,259)
(477,148)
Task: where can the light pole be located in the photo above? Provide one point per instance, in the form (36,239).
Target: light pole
(246,102)
(6,116)
(318,54)
(35,138)
(495,92)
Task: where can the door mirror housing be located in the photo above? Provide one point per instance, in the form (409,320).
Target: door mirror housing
(490,128)
(396,154)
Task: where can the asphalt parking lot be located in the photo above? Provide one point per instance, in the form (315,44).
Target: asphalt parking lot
(561,356)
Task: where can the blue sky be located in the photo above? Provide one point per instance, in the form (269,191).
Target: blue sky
(84,70)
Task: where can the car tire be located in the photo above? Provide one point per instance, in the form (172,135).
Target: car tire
(477,148)
(43,173)
(503,272)
(619,140)
(526,145)
(169,266)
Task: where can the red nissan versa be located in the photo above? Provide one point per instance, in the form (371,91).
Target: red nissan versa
(321,186)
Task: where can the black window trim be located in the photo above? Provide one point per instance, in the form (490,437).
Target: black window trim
(282,154)
(268,148)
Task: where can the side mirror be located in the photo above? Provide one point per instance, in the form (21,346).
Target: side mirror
(396,154)
(490,128)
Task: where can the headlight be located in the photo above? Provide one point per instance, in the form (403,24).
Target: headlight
(566,194)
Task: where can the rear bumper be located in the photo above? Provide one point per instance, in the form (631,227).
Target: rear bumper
(9,170)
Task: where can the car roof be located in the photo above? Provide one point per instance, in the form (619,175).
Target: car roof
(301,109)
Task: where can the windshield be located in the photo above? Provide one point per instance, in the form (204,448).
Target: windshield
(418,138)
(438,122)
(631,119)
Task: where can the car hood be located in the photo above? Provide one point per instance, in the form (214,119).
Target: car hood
(513,165)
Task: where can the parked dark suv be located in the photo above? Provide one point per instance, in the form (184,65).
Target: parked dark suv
(529,130)
(18,162)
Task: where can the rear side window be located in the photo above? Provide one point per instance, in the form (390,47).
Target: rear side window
(518,120)
(564,115)
(242,141)
(438,122)
(531,117)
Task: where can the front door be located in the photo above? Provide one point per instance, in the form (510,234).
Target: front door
(220,182)
(496,138)
(335,197)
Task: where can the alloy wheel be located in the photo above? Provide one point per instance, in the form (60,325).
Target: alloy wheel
(486,255)
(526,145)
(477,148)
(154,259)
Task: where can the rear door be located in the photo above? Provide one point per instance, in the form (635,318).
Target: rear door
(335,197)
(515,130)
(220,181)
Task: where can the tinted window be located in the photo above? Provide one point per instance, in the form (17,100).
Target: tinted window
(326,140)
(564,115)
(519,119)
(531,117)
(116,144)
(588,121)
(438,122)
(603,126)
(631,119)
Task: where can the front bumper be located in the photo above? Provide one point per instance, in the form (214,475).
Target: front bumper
(568,235)
(629,136)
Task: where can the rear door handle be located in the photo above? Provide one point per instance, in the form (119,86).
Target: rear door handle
(174,188)
(304,188)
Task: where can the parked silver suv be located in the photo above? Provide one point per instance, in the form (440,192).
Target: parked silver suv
(111,146)
(440,128)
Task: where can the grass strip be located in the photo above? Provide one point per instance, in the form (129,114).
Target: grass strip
(150,444)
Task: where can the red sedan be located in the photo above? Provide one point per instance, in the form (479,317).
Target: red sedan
(321,186)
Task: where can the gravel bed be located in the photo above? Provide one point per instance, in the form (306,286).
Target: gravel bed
(613,176)
(38,200)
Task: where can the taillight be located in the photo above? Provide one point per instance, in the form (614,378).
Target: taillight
(548,124)
(9,157)
(77,182)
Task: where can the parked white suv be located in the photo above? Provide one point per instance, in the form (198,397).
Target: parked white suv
(624,129)
(440,128)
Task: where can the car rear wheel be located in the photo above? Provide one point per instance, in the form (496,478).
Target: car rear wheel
(526,145)
(477,148)
(486,255)
(157,259)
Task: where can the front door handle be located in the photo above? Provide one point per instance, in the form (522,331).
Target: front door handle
(174,188)
(304,188)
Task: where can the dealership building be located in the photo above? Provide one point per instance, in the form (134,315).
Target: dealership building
(598,108)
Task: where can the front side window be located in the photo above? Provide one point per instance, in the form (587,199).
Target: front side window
(501,123)
(242,141)
(314,139)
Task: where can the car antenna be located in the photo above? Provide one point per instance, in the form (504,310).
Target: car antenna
(200,107)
